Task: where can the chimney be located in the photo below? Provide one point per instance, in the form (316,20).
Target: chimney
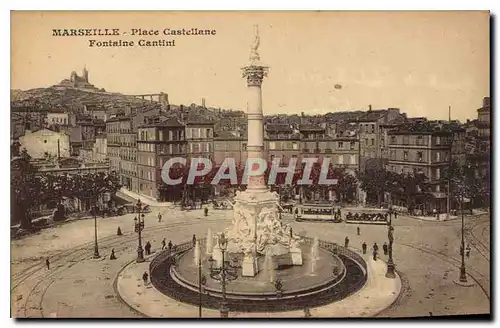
(370,107)
(203,102)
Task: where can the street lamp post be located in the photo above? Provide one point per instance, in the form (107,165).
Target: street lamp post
(139,226)
(390,263)
(463,276)
(223,307)
(96,246)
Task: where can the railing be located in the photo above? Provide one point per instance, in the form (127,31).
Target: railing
(353,281)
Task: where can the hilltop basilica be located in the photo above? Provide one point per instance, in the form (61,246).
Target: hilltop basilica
(78,82)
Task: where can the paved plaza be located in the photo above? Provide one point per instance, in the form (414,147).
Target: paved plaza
(426,254)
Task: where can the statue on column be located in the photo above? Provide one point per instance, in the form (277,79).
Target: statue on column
(254,55)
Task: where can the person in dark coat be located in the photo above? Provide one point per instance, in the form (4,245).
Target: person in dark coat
(159,217)
(385,248)
(148,248)
(170,245)
(375,246)
(112,256)
(374,254)
(47,263)
(194,240)
(364,247)
(163,244)
(346,242)
(145,277)
(206,211)
(395,214)
(359,231)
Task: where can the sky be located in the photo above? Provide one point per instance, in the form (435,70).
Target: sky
(420,62)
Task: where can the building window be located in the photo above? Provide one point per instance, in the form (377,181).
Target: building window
(317,145)
(406,140)
(438,140)
(209,133)
(420,156)
(393,154)
(373,141)
(352,159)
(405,155)
(341,159)
(373,128)
(340,144)
(272,145)
(353,144)
(244,146)
(295,146)
(438,157)
(393,140)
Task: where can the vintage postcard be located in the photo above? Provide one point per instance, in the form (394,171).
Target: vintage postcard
(250,164)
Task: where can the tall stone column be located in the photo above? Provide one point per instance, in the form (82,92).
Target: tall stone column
(255,72)
(256,227)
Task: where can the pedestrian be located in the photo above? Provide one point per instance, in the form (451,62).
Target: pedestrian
(364,247)
(359,231)
(148,248)
(194,240)
(159,217)
(47,263)
(385,248)
(467,251)
(339,213)
(112,256)
(145,277)
(206,211)
(375,246)
(346,242)
(163,244)
(374,254)
(170,246)
(119,231)
(395,214)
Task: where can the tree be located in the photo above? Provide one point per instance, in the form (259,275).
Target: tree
(375,181)
(26,190)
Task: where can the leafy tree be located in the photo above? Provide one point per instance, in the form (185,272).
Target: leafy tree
(26,190)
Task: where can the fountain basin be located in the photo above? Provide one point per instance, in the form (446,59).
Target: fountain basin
(176,276)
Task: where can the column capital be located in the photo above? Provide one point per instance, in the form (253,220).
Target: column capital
(254,74)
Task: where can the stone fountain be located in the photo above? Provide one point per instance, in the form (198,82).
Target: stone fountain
(256,228)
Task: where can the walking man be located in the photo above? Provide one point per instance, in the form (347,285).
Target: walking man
(364,247)
(47,263)
(375,247)
(206,211)
(194,240)
(148,248)
(145,277)
(346,242)
(395,214)
(374,254)
(170,246)
(163,244)
(359,231)
(385,248)
(159,217)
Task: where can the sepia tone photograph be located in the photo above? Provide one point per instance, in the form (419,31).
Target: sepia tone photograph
(250,164)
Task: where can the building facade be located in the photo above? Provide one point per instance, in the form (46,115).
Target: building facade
(45,142)
(157,142)
(422,148)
